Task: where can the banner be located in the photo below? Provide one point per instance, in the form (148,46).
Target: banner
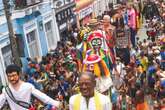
(122,37)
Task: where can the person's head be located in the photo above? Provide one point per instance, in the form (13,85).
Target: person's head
(140,96)
(118,60)
(144,40)
(93,24)
(142,54)
(13,73)
(106,20)
(129,5)
(87,84)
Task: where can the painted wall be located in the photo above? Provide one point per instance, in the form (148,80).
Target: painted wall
(1,8)
(42,35)
(18,25)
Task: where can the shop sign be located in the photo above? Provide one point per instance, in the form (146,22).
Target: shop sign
(62,26)
(84,12)
(122,38)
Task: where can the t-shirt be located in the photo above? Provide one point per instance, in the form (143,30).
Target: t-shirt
(144,62)
(132,18)
(142,106)
(162,55)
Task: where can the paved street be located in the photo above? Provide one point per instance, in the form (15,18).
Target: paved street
(59,40)
(142,32)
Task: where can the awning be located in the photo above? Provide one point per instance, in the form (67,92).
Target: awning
(82,4)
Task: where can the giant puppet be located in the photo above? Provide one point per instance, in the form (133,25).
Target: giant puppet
(98,61)
(98,46)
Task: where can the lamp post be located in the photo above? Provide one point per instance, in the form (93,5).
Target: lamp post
(13,43)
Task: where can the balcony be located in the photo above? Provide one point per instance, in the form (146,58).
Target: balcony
(21,4)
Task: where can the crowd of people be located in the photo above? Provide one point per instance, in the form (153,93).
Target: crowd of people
(56,74)
(131,71)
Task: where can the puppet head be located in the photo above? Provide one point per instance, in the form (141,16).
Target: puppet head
(95,39)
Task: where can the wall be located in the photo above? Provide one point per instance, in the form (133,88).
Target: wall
(18,25)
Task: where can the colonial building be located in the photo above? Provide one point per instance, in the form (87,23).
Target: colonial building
(65,17)
(83,11)
(87,9)
(35,26)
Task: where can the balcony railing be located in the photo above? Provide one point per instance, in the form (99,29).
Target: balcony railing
(21,4)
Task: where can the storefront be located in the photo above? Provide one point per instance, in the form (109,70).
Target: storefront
(100,7)
(84,11)
(66,20)
(85,15)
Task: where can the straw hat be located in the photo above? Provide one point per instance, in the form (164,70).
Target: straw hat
(93,22)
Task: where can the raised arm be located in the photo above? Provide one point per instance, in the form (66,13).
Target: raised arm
(44,98)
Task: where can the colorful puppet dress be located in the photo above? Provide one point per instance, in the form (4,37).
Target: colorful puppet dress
(97,65)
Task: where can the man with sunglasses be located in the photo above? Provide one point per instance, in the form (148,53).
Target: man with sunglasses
(18,93)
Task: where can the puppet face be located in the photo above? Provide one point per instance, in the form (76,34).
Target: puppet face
(96,43)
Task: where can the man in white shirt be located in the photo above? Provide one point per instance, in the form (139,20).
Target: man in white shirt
(22,91)
(89,99)
(118,73)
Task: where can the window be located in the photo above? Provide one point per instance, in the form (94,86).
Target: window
(69,12)
(33,44)
(49,34)
(30,37)
(7,55)
(59,17)
(65,13)
(62,15)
